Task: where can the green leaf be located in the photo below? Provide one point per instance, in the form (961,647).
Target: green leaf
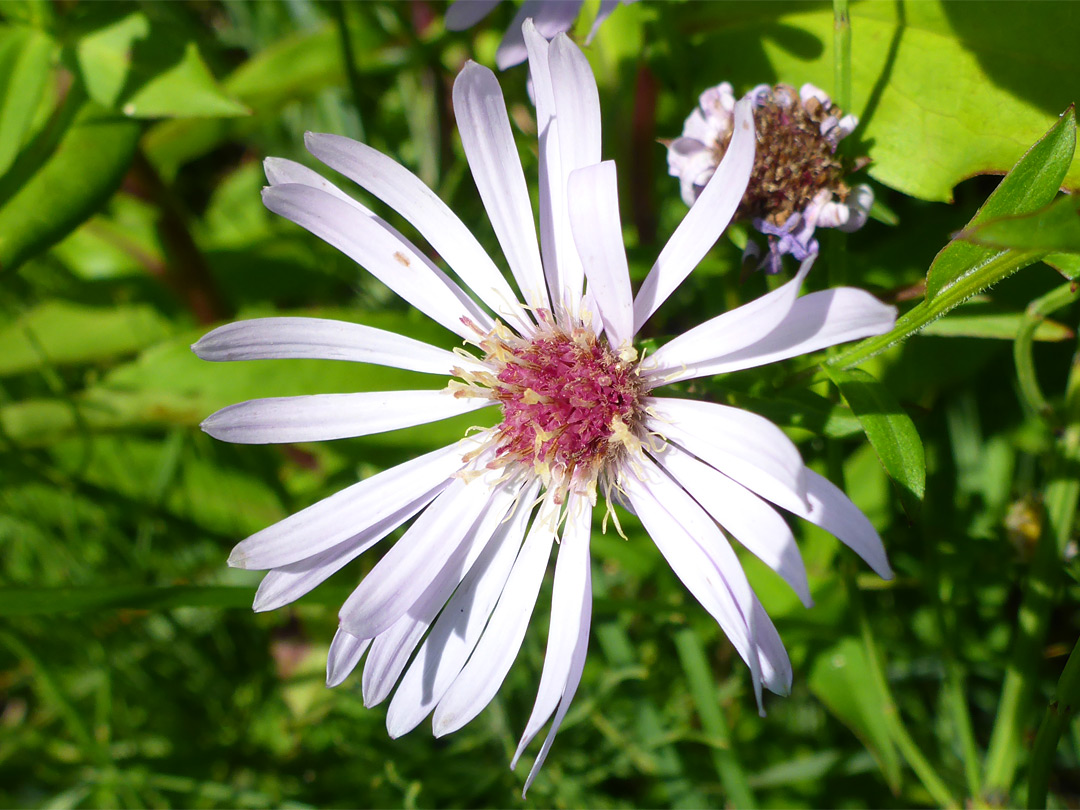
(962,269)
(841,679)
(982,319)
(76,178)
(25,61)
(943,90)
(56,332)
(1068,264)
(144,68)
(1032,183)
(1055,227)
(891,432)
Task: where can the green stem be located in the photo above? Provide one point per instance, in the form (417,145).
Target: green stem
(703,690)
(842,54)
(1058,713)
(1060,497)
(905,744)
(1036,313)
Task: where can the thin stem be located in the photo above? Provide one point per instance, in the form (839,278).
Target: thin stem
(1060,496)
(905,744)
(1036,313)
(1058,713)
(842,54)
(703,690)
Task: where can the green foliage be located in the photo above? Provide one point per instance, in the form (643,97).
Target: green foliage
(135,674)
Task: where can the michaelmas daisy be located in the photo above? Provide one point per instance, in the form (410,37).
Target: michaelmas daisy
(583,420)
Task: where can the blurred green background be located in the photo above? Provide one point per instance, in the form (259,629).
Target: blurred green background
(132,671)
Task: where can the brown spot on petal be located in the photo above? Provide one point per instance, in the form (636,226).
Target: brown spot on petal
(401,258)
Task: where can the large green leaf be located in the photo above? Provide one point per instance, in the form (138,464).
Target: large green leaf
(63,333)
(944,90)
(1055,227)
(891,432)
(144,68)
(75,179)
(1032,183)
(25,59)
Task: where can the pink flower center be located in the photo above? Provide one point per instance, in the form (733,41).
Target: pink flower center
(569,403)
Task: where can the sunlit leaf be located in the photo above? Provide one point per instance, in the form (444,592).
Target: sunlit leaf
(144,68)
(62,333)
(891,432)
(1055,227)
(984,320)
(86,167)
(25,58)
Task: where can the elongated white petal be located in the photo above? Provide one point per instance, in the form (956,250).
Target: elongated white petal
(550,19)
(288,583)
(704,222)
(834,512)
(464,14)
(458,628)
(393,648)
(556,242)
(416,560)
(282,171)
(322,417)
(573,678)
(345,653)
(816,321)
(347,513)
(322,339)
(496,168)
(728,333)
(406,193)
(748,518)
(390,259)
(594,218)
(577,111)
(742,445)
(702,558)
(568,598)
(481,677)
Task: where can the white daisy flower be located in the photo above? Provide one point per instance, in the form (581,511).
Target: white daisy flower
(443,613)
(797,184)
(551,17)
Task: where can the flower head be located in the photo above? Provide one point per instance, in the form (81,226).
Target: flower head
(550,17)
(797,183)
(443,613)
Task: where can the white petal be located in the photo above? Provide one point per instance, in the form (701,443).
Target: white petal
(577,110)
(594,217)
(464,14)
(573,678)
(562,266)
(702,558)
(387,257)
(349,512)
(704,222)
(345,653)
(288,583)
(816,321)
(744,515)
(550,19)
(406,193)
(496,168)
(727,333)
(393,648)
(282,171)
(322,417)
(416,560)
(481,677)
(452,639)
(568,598)
(322,339)
(742,445)
(833,511)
